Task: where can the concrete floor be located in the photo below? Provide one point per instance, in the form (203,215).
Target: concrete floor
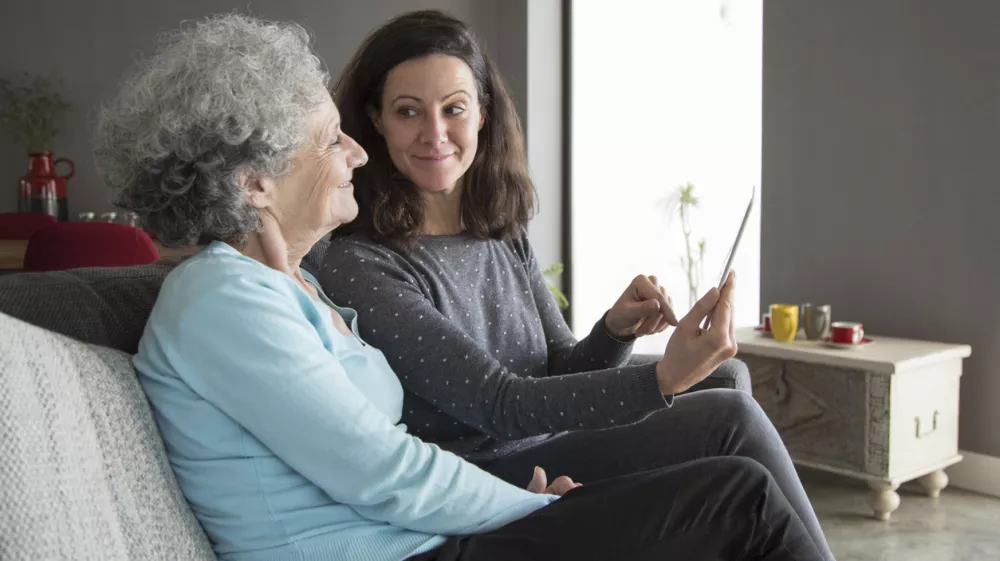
(960,526)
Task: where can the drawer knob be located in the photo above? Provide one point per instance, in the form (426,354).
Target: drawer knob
(933,425)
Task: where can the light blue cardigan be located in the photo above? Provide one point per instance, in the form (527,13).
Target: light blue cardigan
(284,433)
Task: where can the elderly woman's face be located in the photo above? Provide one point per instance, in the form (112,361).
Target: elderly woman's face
(430,120)
(317,193)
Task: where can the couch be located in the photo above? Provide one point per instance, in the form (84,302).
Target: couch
(83,472)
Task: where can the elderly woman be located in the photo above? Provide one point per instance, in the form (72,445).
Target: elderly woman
(440,266)
(280,421)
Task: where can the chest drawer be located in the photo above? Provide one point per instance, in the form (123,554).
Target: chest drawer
(923,417)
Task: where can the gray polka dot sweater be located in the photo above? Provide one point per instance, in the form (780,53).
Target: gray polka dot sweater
(486,359)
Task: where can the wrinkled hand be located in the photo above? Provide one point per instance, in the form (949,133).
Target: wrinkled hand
(560,486)
(692,352)
(644,308)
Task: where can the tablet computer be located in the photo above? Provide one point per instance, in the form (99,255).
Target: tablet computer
(735,246)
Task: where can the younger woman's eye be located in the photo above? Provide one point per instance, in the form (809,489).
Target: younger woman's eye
(406,111)
(454,110)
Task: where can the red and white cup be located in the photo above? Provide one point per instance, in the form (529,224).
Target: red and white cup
(847,332)
(767,323)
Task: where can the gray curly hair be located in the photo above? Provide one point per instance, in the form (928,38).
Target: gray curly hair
(226,96)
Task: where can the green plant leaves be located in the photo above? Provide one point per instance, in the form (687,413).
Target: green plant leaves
(554,270)
(30,109)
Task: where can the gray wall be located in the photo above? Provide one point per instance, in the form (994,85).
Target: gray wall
(89,45)
(881,175)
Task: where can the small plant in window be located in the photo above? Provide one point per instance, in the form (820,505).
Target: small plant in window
(554,270)
(683,202)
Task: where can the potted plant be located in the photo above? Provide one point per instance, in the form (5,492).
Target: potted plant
(30,110)
(684,202)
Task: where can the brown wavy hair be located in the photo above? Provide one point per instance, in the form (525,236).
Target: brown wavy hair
(498,196)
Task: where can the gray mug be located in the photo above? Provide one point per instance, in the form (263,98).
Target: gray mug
(816,320)
(802,313)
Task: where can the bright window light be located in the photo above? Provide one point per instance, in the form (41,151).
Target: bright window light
(664,93)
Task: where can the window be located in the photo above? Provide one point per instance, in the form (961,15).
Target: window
(664,93)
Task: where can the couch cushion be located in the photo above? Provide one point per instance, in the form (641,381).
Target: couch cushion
(106,306)
(83,472)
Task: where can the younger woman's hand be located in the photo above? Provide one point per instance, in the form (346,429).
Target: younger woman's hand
(692,353)
(643,309)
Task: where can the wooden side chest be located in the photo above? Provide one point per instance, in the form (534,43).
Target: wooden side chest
(886,413)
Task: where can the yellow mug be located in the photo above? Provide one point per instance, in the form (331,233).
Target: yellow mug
(784,321)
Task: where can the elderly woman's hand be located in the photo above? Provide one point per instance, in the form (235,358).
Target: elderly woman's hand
(643,309)
(560,486)
(692,352)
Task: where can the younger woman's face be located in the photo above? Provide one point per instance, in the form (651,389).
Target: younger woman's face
(430,120)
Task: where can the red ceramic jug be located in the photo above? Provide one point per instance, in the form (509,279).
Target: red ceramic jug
(41,189)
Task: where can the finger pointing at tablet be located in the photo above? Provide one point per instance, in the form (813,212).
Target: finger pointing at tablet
(641,310)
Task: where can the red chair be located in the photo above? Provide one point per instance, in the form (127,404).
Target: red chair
(71,245)
(21,225)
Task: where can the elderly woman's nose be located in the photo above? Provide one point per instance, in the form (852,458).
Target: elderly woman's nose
(358,157)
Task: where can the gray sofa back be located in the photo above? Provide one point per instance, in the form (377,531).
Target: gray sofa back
(101,306)
(105,306)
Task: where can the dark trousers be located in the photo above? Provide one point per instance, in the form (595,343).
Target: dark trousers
(724,508)
(714,423)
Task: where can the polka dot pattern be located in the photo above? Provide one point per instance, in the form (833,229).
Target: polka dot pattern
(486,359)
